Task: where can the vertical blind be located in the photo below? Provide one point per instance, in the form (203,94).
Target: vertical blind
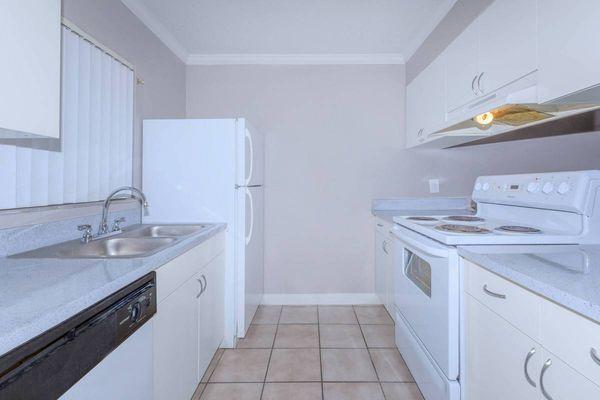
(94,154)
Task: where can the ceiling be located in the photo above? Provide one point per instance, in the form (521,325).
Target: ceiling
(199,31)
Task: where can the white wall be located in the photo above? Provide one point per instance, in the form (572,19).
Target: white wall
(334,141)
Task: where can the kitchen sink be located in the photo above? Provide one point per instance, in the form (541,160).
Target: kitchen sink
(156,231)
(115,247)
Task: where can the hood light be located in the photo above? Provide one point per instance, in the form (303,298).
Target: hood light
(484,120)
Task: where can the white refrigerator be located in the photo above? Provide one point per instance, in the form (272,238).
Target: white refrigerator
(211,170)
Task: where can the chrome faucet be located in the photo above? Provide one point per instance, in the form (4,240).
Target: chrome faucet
(135,192)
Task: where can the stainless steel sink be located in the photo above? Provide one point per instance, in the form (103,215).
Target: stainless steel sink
(116,247)
(156,231)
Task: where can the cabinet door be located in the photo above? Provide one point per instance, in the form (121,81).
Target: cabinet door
(389,275)
(30,68)
(176,344)
(380,266)
(569,51)
(507,43)
(561,382)
(496,354)
(414,112)
(211,311)
(462,68)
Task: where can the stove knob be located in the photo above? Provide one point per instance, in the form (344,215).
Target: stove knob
(135,312)
(563,188)
(486,187)
(477,186)
(548,188)
(533,187)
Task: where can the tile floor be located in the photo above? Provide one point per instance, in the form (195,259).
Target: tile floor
(312,353)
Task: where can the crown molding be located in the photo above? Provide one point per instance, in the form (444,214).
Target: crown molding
(295,59)
(140,10)
(427,28)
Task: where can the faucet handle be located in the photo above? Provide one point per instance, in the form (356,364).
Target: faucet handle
(117,224)
(87,234)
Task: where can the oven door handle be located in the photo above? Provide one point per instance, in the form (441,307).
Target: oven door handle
(420,244)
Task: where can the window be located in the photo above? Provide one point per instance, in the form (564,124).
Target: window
(94,152)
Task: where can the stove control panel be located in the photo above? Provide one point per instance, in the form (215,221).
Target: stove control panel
(564,191)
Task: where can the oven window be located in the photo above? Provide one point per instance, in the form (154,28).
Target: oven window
(418,271)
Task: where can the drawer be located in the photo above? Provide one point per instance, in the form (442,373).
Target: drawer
(571,337)
(517,305)
(177,271)
(383,226)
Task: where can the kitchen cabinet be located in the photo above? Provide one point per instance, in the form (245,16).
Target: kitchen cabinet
(30,39)
(569,52)
(384,265)
(426,103)
(502,360)
(498,48)
(189,323)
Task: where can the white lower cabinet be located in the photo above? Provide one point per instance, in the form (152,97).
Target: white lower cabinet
(384,265)
(504,362)
(189,323)
(496,355)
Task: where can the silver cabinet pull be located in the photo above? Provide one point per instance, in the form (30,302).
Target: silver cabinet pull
(205,283)
(595,356)
(473,84)
(479,83)
(380,225)
(384,247)
(526,364)
(547,365)
(493,294)
(201,287)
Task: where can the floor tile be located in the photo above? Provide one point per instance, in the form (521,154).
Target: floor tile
(292,391)
(258,337)
(337,315)
(299,315)
(373,315)
(289,365)
(267,315)
(341,337)
(347,365)
(352,391)
(297,336)
(401,391)
(390,366)
(232,391)
(213,364)
(242,365)
(379,335)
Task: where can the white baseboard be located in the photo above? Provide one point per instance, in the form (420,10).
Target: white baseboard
(320,298)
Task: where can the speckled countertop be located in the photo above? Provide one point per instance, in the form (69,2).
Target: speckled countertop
(37,294)
(567,275)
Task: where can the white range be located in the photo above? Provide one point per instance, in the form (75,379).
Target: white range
(539,209)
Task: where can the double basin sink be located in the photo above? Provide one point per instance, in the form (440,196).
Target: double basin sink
(137,241)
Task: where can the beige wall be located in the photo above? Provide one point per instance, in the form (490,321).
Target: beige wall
(163,94)
(334,141)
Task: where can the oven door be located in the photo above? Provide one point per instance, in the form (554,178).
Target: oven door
(427,295)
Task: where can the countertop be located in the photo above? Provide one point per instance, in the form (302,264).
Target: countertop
(567,275)
(37,294)
(387,209)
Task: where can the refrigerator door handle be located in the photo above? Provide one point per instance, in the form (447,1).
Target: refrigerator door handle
(249,137)
(251,202)
(247,186)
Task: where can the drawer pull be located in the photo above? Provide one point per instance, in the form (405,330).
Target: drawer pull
(493,294)
(547,365)
(595,356)
(380,225)
(526,364)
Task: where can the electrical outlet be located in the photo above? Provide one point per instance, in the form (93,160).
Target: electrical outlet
(434,186)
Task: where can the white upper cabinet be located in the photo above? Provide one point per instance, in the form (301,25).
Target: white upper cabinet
(462,68)
(507,43)
(569,50)
(30,68)
(426,103)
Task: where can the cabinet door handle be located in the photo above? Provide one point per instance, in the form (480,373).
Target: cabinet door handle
(473,84)
(384,247)
(479,83)
(595,356)
(380,225)
(205,283)
(547,365)
(493,294)
(201,287)
(526,364)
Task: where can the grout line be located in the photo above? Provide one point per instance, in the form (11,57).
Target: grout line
(370,357)
(262,391)
(320,357)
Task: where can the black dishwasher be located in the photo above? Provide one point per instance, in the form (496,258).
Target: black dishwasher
(48,365)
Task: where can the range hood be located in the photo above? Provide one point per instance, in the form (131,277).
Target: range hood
(512,107)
